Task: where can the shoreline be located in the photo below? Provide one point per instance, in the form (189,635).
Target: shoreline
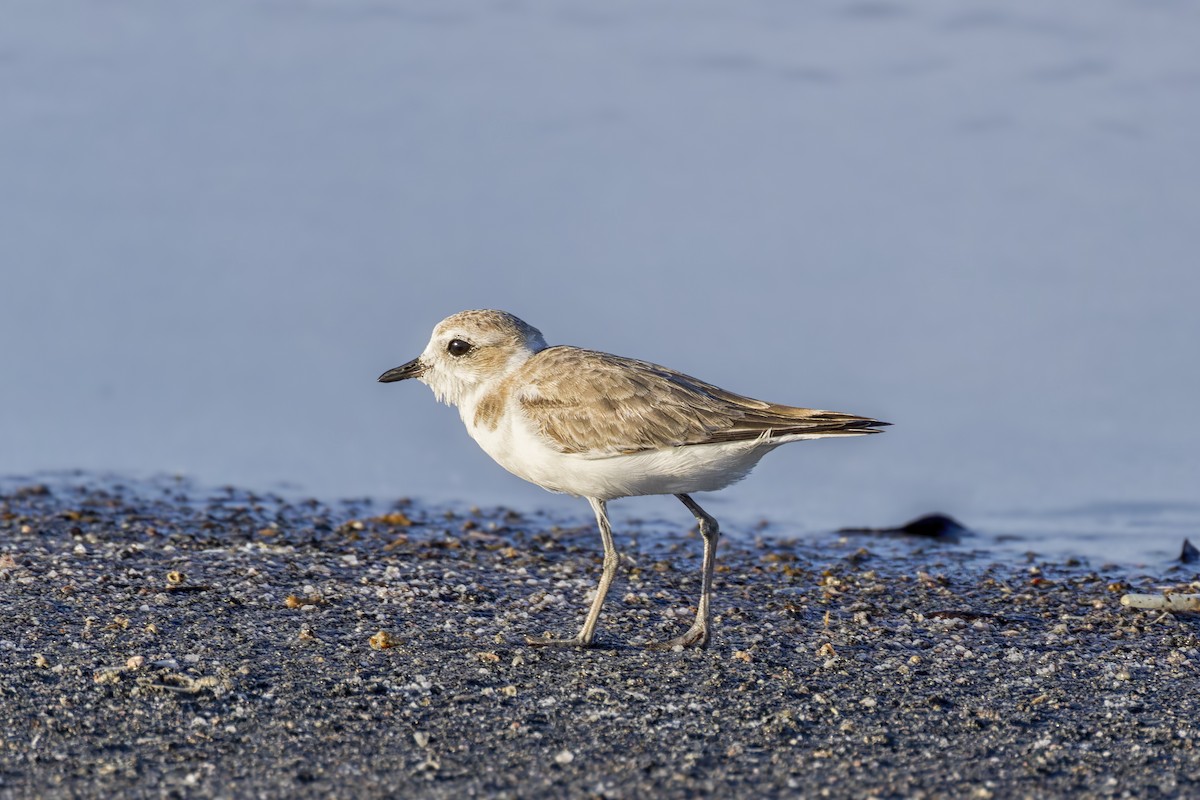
(224,646)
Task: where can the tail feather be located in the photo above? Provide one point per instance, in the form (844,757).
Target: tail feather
(782,421)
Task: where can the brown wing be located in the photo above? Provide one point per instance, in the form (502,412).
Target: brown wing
(590,402)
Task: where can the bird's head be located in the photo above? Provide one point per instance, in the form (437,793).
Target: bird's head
(469,351)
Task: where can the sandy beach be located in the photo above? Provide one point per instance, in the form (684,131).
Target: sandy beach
(163,642)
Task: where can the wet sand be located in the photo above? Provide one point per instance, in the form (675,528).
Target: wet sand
(160,642)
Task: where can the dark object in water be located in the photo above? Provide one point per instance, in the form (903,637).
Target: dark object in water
(1189,555)
(937,525)
(933,526)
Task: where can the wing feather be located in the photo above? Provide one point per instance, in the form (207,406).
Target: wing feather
(584,401)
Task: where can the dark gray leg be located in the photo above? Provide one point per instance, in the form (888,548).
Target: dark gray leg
(697,635)
(584,637)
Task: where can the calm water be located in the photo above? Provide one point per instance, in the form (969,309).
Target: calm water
(220,221)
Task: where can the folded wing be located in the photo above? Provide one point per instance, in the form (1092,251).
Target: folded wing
(598,404)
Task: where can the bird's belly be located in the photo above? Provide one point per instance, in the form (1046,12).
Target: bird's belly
(675,470)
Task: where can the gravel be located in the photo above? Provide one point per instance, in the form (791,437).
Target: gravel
(163,642)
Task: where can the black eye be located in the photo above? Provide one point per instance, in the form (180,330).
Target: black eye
(458,347)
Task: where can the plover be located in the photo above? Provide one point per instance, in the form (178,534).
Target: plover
(600,426)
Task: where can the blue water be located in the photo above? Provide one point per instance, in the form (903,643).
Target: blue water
(220,221)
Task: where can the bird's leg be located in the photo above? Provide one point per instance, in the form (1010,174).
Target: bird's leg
(584,637)
(697,635)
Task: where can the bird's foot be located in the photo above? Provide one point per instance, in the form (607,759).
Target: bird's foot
(696,636)
(574,641)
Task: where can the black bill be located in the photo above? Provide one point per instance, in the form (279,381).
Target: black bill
(412,369)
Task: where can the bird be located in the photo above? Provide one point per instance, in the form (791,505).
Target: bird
(602,427)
